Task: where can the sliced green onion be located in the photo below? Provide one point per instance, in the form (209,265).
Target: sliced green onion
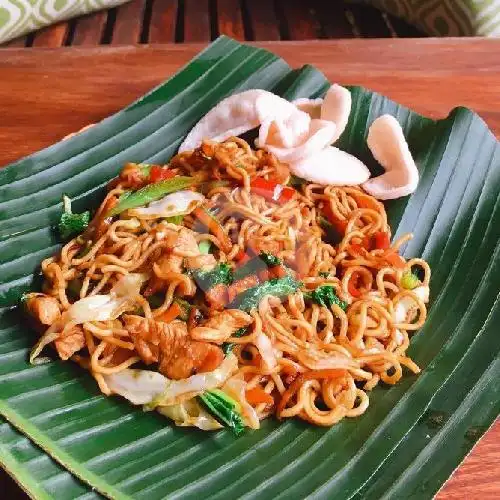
(409,280)
(149,193)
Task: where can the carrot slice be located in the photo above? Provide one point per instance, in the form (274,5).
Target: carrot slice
(394,259)
(170,314)
(313,374)
(258,395)
(214,227)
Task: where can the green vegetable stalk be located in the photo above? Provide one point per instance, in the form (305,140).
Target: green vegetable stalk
(409,280)
(204,246)
(71,224)
(225,409)
(278,287)
(149,193)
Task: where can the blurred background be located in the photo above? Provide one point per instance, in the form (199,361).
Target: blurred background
(44,23)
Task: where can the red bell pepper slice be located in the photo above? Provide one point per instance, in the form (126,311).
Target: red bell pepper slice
(272,191)
(157,174)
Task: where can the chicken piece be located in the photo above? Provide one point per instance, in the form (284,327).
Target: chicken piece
(202,262)
(217,297)
(267,246)
(169,345)
(170,263)
(221,326)
(241,285)
(183,243)
(194,357)
(302,260)
(146,335)
(70,342)
(43,308)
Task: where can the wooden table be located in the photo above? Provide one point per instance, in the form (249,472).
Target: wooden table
(47,93)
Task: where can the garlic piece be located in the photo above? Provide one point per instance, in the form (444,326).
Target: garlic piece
(388,145)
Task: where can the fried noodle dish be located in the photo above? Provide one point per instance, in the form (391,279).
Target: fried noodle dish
(221,290)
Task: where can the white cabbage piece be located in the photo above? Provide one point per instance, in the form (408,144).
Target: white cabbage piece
(201,382)
(190,413)
(235,388)
(151,388)
(140,387)
(179,203)
(109,306)
(266,350)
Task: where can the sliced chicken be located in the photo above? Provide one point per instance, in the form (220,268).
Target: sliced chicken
(221,326)
(204,262)
(170,263)
(168,344)
(44,308)
(70,342)
(184,244)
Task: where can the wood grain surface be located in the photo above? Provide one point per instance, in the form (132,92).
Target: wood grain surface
(48,93)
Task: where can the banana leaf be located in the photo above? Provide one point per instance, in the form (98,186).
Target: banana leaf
(413,435)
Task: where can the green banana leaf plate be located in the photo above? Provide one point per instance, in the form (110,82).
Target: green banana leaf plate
(62,439)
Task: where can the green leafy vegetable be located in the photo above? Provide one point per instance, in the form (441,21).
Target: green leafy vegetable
(221,273)
(71,224)
(409,280)
(325,295)
(204,246)
(277,287)
(227,347)
(324,274)
(149,193)
(259,263)
(224,409)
